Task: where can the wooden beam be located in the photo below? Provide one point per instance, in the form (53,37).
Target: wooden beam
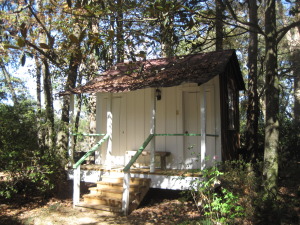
(203,127)
(152,130)
(98,126)
(109,121)
(126,189)
(71,123)
(76,186)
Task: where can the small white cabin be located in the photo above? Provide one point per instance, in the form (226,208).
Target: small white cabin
(183,109)
(189,103)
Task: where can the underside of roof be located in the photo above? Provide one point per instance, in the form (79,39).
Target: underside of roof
(165,72)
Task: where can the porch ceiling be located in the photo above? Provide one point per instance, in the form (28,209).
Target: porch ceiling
(164,72)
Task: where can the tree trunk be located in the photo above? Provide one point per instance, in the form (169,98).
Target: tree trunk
(63,136)
(296,70)
(252,107)
(120,35)
(167,32)
(48,102)
(38,83)
(41,133)
(78,112)
(167,42)
(94,61)
(270,170)
(219,24)
(74,63)
(9,83)
(47,84)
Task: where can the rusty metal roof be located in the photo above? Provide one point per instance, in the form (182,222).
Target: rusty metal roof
(164,72)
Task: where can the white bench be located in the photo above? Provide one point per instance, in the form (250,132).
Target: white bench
(162,156)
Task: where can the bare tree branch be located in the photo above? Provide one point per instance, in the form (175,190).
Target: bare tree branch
(233,14)
(47,55)
(284,30)
(50,38)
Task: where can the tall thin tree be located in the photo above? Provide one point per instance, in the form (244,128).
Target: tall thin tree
(270,170)
(8,82)
(219,24)
(252,106)
(296,70)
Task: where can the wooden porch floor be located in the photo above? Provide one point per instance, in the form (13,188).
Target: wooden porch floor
(158,171)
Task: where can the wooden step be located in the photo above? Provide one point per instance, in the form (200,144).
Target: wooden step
(102,200)
(133,180)
(116,193)
(108,193)
(99,207)
(116,186)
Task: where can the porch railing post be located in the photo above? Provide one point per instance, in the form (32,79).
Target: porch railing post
(71,138)
(152,130)
(98,158)
(126,189)
(109,121)
(203,129)
(76,185)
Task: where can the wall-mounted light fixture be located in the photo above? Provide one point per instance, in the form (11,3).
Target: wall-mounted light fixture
(158,94)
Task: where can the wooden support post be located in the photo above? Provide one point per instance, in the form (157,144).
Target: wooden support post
(98,126)
(126,189)
(76,186)
(152,130)
(203,128)
(71,122)
(109,132)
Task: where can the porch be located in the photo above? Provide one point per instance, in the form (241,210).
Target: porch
(173,179)
(121,189)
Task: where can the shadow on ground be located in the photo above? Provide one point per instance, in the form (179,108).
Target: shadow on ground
(9,220)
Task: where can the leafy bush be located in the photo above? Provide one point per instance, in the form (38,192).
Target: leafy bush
(26,167)
(217,203)
(289,142)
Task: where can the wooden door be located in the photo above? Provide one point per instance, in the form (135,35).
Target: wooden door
(118,130)
(210,126)
(191,125)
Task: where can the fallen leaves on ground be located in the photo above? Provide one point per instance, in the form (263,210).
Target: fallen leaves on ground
(61,212)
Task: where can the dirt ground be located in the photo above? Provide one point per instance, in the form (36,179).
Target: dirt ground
(159,207)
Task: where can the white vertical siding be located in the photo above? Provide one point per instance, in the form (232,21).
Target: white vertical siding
(161,106)
(178,159)
(170,121)
(131,121)
(217,107)
(140,121)
(123,127)
(132,115)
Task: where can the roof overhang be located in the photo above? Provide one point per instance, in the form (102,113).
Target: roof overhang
(164,72)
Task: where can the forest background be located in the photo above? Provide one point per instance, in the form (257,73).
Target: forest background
(69,42)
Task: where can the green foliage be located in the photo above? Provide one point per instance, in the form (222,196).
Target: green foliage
(289,142)
(17,133)
(217,203)
(25,166)
(194,222)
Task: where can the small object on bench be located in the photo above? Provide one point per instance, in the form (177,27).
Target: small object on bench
(88,160)
(162,155)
